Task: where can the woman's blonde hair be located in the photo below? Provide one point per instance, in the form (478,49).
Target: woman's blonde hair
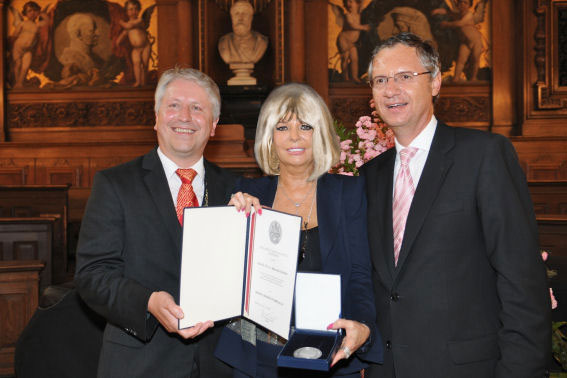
(302,101)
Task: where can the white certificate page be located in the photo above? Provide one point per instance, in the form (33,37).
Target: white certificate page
(271,274)
(212,264)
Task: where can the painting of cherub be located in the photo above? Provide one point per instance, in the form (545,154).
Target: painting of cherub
(460,29)
(135,29)
(348,18)
(471,46)
(24,38)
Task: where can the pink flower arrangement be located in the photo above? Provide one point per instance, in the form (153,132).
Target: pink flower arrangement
(368,139)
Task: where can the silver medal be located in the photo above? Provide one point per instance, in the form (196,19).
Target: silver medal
(308,353)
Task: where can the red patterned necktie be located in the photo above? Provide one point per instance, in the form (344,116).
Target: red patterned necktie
(186,196)
(403,195)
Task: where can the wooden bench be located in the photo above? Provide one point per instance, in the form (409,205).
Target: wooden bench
(18,301)
(29,239)
(45,201)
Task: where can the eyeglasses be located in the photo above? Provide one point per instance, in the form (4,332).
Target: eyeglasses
(401,78)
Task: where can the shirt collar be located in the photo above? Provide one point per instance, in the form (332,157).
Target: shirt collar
(170,167)
(424,139)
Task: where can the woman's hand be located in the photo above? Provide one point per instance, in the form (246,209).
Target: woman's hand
(244,201)
(356,335)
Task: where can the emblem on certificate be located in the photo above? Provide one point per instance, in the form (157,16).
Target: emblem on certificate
(275,232)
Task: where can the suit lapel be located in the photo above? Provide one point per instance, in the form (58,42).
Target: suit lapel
(214,185)
(156,182)
(380,187)
(435,170)
(329,206)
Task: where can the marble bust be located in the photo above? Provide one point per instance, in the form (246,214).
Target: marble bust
(242,48)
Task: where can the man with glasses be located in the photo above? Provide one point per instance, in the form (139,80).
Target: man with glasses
(460,285)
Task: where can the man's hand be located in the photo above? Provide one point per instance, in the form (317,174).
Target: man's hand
(162,306)
(356,335)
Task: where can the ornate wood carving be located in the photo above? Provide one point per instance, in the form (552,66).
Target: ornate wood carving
(463,109)
(135,113)
(549,96)
(348,110)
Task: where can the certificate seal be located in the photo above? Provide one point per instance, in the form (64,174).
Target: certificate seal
(275,231)
(309,353)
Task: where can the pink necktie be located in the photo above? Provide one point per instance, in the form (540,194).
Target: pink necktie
(186,196)
(403,195)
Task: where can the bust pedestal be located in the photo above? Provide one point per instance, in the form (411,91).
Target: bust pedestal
(241,105)
(242,73)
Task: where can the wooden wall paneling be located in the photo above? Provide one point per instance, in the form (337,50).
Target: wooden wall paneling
(542,158)
(18,301)
(316,72)
(549,196)
(553,234)
(17,171)
(67,170)
(504,67)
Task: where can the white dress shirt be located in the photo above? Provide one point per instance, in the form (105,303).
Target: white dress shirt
(174,181)
(423,143)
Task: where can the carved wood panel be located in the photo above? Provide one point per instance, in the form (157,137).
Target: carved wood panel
(465,111)
(551,92)
(80,114)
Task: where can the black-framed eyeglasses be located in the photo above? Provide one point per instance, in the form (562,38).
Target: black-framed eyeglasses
(401,78)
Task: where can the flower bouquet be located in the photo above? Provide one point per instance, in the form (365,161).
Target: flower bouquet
(368,139)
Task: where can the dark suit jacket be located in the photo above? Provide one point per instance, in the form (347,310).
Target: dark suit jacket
(341,213)
(130,246)
(468,297)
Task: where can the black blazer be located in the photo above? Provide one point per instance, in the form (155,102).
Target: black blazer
(469,296)
(130,246)
(341,209)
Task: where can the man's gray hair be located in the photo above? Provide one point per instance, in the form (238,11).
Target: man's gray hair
(190,74)
(426,53)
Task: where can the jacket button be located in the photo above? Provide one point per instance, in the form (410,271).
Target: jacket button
(388,345)
(394,297)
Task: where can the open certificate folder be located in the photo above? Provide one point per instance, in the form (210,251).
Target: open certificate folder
(232,265)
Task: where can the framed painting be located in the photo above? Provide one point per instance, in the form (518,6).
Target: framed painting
(59,44)
(459,29)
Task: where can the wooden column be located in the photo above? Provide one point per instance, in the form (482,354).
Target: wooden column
(185,39)
(504,58)
(316,60)
(296,46)
(168,31)
(3,28)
